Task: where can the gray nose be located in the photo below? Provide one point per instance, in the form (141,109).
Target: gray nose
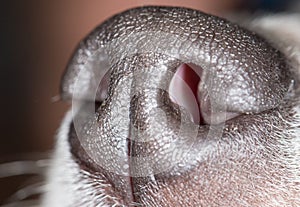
(137,130)
(140,114)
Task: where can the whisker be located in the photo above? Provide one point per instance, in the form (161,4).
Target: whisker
(56,98)
(23,167)
(26,192)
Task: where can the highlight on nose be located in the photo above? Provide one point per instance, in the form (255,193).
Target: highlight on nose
(166,92)
(203,67)
(236,62)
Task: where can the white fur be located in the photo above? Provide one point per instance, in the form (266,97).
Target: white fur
(68,185)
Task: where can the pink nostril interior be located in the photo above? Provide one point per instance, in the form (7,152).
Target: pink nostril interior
(184,90)
(102,90)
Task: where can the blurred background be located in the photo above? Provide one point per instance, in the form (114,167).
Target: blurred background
(37,38)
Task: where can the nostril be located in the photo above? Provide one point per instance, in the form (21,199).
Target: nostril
(188,90)
(102,90)
(183,90)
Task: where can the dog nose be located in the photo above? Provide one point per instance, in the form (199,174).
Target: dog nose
(138,133)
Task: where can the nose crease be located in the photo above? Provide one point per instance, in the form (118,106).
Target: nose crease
(139,131)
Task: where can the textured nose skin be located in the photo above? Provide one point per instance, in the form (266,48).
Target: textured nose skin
(138,131)
(157,124)
(138,135)
(235,62)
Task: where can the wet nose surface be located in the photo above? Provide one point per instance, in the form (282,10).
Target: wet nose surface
(147,146)
(233,59)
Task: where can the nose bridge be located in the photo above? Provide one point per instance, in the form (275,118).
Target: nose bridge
(140,113)
(139,85)
(150,93)
(151,116)
(155,121)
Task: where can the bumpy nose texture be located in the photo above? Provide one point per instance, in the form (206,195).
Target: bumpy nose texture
(138,128)
(157,124)
(138,131)
(236,62)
